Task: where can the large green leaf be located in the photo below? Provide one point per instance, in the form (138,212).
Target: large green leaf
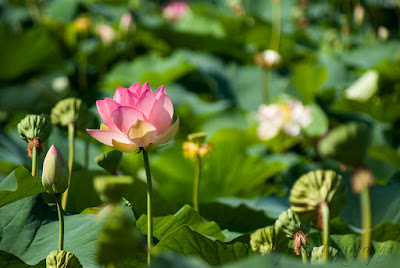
(12,261)
(17,59)
(186,241)
(19,184)
(29,230)
(229,170)
(186,216)
(244,215)
(151,68)
(308,79)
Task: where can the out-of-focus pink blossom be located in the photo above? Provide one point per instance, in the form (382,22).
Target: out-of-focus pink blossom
(126,23)
(289,117)
(106,33)
(135,118)
(174,11)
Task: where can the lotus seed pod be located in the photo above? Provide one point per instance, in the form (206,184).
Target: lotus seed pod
(119,238)
(111,188)
(71,111)
(268,239)
(317,254)
(62,259)
(197,137)
(315,188)
(34,126)
(55,173)
(290,224)
(347,143)
(109,161)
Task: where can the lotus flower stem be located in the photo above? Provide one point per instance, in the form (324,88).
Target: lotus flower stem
(304,254)
(276,25)
(266,80)
(86,150)
(325,229)
(366,223)
(61,221)
(35,161)
(196,183)
(149,215)
(71,144)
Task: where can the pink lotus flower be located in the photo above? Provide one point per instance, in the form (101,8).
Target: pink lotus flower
(135,118)
(174,11)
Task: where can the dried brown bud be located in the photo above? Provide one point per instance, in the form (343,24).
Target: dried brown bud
(362,177)
(34,142)
(320,221)
(299,239)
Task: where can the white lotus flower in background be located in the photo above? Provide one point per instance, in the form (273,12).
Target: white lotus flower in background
(289,117)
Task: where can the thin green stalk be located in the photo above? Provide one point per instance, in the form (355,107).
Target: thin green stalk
(35,161)
(366,224)
(304,254)
(265,85)
(325,231)
(61,221)
(276,25)
(196,184)
(149,214)
(71,144)
(86,150)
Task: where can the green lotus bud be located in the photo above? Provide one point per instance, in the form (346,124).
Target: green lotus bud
(70,111)
(55,173)
(290,224)
(268,239)
(62,259)
(34,126)
(109,161)
(314,188)
(317,254)
(347,143)
(119,238)
(111,188)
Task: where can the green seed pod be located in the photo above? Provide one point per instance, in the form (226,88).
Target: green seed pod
(268,239)
(198,138)
(55,173)
(315,188)
(111,188)
(109,161)
(290,224)
(62,259)
(347,143)
(119,239)
(70,111)
(317,254)
(34,126)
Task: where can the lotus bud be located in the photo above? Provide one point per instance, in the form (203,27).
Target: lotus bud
(109,161)
(111,188)
(383,33)
(34,129)
(55,174)
(362,177)
(119,239)
(317,254)
(358,14)
(268,239)
(126,23)
(82,23)
(268,59)
(61,258)
(347,143)
(71,111)
(314,189)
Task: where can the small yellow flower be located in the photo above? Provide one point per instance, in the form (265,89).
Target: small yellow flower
(196,146)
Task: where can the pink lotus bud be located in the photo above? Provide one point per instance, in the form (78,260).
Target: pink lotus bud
(126,23)
(106,34)
(358,14)
(383,33)
(135,118)
(174,11)
(55,174)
